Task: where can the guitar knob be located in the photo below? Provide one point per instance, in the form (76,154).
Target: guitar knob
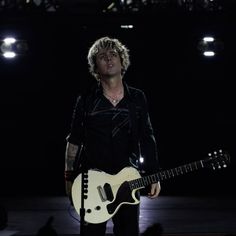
(89,211)
(97,208)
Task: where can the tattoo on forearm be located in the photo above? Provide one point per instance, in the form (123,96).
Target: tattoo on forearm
(71,152)
(72,149)
(69,164)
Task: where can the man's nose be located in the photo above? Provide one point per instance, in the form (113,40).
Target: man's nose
(108,57)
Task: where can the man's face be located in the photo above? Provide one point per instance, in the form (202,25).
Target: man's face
(108,63)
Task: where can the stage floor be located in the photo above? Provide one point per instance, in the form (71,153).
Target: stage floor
(178,215)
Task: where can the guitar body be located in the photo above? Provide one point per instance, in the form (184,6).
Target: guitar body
(104,193)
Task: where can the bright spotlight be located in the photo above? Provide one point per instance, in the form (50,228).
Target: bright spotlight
(9,54)
(210,46)
(11,47)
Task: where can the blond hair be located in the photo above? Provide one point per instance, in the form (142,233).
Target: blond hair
(107,43)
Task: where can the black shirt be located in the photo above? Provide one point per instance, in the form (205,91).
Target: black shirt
(113,137)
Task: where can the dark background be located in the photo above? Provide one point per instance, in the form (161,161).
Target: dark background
(191,98)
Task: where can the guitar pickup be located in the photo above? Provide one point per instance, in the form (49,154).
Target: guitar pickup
(102,193)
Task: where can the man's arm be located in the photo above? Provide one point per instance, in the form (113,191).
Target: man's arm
(70,155)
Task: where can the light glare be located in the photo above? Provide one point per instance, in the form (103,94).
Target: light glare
(209,53)
(208,39)
(9,40)
(9,54)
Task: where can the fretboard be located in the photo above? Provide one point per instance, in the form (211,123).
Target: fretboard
(166,174)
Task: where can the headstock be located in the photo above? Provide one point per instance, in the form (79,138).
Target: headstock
(217,160)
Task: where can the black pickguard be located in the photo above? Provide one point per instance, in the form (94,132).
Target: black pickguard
(123,195)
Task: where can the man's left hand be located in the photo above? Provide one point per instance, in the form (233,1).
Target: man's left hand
(155,190)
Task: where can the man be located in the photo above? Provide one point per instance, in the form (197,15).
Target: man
(110,130)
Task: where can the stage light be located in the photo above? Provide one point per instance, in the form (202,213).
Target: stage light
(209,46)
(126,26)
(209,53)
(9,54)
(208,39)
(11,47)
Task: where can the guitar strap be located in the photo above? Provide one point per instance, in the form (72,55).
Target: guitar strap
(80,155)
(87,97)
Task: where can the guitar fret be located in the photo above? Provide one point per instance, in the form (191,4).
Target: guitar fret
(178,170)
(190,167)
(136,184)
(145,181)
(163,176)
(153,179)
(169,173)
(172,172)
(140,182)
(201,164)
(187,168)
(132,184)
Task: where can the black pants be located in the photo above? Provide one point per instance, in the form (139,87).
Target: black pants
(126,223)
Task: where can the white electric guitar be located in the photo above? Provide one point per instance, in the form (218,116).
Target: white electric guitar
(103,193)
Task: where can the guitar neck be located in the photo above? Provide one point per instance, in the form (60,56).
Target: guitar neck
(166,174)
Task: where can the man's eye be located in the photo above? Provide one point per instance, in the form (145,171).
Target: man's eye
(101,57)
(114,54)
